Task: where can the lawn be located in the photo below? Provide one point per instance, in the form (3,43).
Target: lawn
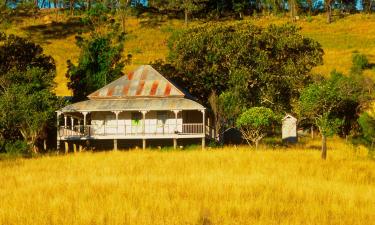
(147,39)
(216,186)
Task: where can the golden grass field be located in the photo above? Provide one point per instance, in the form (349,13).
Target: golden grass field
(149,43)
(218,186)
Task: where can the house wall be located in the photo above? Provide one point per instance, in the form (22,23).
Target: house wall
(156,122)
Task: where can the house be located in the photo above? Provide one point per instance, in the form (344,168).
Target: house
(289,129)
(142,105)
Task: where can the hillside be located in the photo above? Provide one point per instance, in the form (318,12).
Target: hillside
(147,39)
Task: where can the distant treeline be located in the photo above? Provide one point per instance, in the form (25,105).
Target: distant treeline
(215,8)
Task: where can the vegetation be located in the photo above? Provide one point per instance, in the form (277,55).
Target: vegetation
(228,186)
(254,124)
(26,99)
(330,103)
(215,57)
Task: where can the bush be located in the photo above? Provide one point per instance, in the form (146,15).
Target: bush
(17,148)
(360,62)
(367,124)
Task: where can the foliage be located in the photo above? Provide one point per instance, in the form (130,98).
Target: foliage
(18,147)
(367,124)
(187,6)
(100,62)
(330,103)
(254,123)
(23,54)
(359,63)
(267,67)
(26,99)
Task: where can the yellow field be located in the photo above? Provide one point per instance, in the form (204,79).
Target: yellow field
(225,186)
(147,40)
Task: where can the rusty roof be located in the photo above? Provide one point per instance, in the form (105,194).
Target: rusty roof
(135,104)
(143,82)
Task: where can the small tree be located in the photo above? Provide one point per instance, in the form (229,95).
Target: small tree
(328,102)
(254,124)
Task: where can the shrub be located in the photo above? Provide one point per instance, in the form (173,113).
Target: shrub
(17,147)
(367,124)
(360,62)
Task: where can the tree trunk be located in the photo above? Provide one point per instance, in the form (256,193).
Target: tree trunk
(329,13)
(324,147)
(71,7)
(186,17)
(256,144)
(312,132)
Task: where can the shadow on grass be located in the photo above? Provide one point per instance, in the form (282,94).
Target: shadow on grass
(56,30)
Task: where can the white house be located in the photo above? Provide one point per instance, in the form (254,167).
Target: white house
(142,105)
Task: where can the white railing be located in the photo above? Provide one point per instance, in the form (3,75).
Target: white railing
(131,130)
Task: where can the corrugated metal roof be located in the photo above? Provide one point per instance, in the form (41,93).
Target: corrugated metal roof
(133,105)
(143,82)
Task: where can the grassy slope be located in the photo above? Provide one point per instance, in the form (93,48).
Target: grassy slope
(225,186)
(149,42)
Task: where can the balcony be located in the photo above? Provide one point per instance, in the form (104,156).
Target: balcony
(80,132)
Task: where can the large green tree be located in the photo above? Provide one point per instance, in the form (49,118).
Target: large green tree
(100,61)
(27,100)
(259,66)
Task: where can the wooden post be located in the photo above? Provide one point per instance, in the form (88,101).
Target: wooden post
(65,121)
(75,147)
(143,122)
(176,120)
(58,131)
(80,148)
(116,113)
(72,123)
(84,118)
(174,143)
(204,128)
(115,144)
(66,147)
(84,124)
(144,144)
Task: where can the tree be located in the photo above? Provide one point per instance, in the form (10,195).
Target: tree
(328,4)
(100,62)
(327,103)
(254,124)
(123,9)
(187,6)
(28,108)
(265,66)
(23,54)
(239,6)
(27,100)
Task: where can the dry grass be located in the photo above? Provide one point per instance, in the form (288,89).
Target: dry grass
(147,41)
(227,186)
